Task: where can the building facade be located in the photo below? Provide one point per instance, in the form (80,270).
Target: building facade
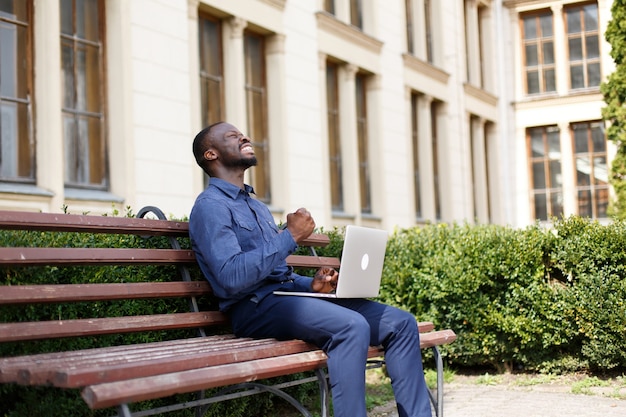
(384,113)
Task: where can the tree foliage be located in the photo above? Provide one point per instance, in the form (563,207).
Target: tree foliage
(614,91)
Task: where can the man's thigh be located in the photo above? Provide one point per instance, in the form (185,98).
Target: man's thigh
(293,317)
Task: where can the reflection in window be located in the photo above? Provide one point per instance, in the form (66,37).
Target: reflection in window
(82,80)
(17,145)
(592,183)
(334,139)
(256,104)
(538,47)
(546,180)
(583,44)
(211,70)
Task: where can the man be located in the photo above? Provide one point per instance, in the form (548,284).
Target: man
(242,254)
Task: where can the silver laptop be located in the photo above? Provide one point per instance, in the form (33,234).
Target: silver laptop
(361,265)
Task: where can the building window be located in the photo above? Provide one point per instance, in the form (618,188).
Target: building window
(17,144)
(429,31)
(334,139)
(82,72)
(356,14)
(410,26)
(592,188)
(435,108)
(415,153)
(583,45)
(211,70)
(329,6)
(256,105)
(545,161)
(363,145)
(538,47)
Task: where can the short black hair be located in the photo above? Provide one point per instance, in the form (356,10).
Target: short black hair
(201,143)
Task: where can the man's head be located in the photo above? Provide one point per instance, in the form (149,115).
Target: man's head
(222,145)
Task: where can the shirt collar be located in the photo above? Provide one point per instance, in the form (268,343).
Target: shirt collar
(228,188)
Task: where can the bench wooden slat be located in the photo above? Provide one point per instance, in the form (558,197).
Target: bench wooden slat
(19,220)
(57,222)
(27,294)
(139,389)
(93,256)
(13,332)
(304,261)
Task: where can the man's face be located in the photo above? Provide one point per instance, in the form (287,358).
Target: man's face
(232,147)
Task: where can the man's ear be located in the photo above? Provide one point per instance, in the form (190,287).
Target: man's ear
(210,155)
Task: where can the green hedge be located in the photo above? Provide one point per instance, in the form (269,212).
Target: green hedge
(538,299)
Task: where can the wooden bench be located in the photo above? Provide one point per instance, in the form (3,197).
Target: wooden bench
(115,376)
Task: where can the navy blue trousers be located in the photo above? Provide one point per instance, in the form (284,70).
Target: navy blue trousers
(345,329)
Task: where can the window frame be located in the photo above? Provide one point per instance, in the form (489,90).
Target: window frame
(541,67)
(595,190)
(98,153)
(585,61)
(209,113)
(24,143)
(550,191)
(258,127)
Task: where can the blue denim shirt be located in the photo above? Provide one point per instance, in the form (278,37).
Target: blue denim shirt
(238,246)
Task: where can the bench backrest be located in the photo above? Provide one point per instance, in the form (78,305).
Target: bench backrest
(180,286)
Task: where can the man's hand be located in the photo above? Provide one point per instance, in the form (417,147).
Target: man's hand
(300,224)
(325,280)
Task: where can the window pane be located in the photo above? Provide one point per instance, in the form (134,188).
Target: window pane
(584,203)
(573,21)
(583,170)
(575,49)
(541,208)
(67,73)
(593,73)
(536,142)
(554,144)
(597,137)
(539,175)
(580,139)
(14,9)
(549,79)
(532,82)
(546,25)
(599,171)
(530,27)
(548,52)
(592,46)
(329,6)
(67,25)
(591,17)
(577,77)
(556,179)
(532,55)
(556,202)
(602,202)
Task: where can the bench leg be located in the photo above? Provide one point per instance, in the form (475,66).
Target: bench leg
(324,392)
(438,401)
(123,410)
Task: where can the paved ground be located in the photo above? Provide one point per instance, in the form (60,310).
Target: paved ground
(468,398)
